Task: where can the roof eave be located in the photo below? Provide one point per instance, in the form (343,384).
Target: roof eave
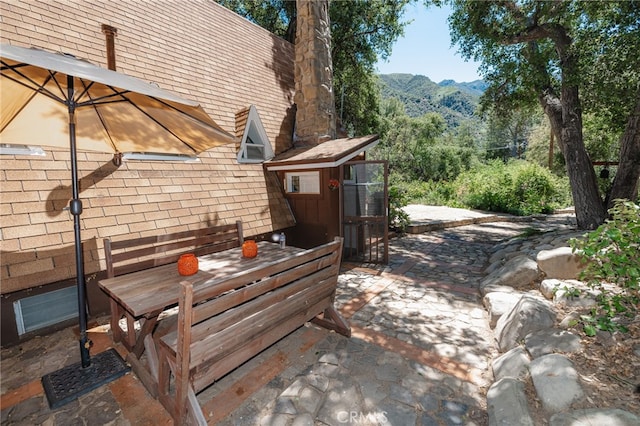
(320,163)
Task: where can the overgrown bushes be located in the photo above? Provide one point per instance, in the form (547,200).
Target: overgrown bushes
(429,193)
(398,218)
(440,162)
(613,268)
(517,187)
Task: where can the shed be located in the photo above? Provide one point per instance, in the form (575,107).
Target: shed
(334,191)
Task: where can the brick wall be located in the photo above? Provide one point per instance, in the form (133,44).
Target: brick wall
(195,48)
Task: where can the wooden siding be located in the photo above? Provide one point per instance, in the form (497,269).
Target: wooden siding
(318,216)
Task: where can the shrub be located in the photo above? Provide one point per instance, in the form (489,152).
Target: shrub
(441,162)
(517,187)
(429,193)
(485,187)
(398,218)
(612,255)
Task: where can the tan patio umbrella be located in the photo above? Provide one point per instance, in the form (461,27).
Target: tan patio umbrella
(56,100)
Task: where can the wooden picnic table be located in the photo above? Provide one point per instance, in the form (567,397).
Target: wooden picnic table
(145,294)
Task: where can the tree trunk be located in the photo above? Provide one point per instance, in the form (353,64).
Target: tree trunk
(625,184)
(567,113)
(553,109)
(566,124)
(590,211)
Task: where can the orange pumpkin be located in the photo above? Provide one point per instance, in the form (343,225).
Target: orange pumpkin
(187,264)
(249,248)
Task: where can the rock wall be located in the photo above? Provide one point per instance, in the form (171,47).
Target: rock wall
(521,295)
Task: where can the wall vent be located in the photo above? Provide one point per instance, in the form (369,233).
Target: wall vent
(43,310)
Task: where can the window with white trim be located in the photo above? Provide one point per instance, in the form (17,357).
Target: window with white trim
(302,182)
(255,146)
(16,149)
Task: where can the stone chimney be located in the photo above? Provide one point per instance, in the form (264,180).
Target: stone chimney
(314,97)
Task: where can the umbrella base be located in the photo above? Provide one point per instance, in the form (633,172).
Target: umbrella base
(73,381)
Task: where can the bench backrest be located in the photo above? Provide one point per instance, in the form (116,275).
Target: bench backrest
(136,254)
(224,321)
(212,307)
(308,267)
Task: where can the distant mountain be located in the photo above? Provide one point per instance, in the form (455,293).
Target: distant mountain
(456,102)
(475,88)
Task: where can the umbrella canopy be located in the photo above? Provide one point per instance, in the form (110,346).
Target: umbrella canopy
(114,112)
(57,100)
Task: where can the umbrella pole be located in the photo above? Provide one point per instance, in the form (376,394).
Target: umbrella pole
(68,383)
(75,206)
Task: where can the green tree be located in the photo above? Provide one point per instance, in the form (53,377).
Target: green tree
(508,135)
(277,16)
(546,52)
(612,92)
(361,31)
(539,150)
(395,136)
(408,142)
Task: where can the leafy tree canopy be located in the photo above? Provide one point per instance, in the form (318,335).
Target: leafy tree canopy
(605,37)
(419,148)
(566,56)
(609,38)
(361,30)
(277,16)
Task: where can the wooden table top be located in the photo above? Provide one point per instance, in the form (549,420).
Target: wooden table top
(154,289)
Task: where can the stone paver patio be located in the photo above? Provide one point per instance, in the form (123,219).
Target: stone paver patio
(419,352)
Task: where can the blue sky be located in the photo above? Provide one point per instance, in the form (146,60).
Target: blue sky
(426,48)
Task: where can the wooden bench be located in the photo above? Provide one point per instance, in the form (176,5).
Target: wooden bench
(225,321)
(137,254)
